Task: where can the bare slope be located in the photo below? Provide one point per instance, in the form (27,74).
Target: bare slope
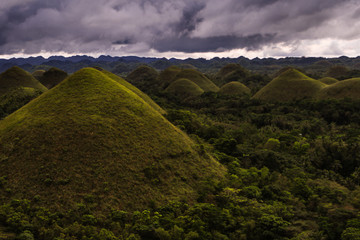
(92,137)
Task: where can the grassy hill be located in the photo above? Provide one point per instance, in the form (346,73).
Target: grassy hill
(290,85)
(142,95)
(38,74)
(328,80)
(231,72)
(234,88)
(184,88)
(198,78)
(166,76)
(145,78)
(349,88)
(16,77)
(52,77)
(93,139)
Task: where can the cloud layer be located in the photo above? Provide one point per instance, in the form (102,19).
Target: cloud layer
(121,27)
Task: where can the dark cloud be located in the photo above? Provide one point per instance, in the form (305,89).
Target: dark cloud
(121,27)
(189,19)
(212,44)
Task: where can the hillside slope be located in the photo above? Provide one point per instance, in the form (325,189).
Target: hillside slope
(92,137)
(349,88)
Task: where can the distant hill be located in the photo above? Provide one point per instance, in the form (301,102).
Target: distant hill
(328,80)
(91,137)
(145,78)
(230,73)
(183,88)
(290,85)
(167,76)
(234,88)
(349,88)
(198,78)
(38,74)
(16,77)
(52,77)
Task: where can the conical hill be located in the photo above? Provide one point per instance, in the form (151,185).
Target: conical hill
(166,77)
(290,85)
(16,77)
(198,78)
(145,97)
(328,80)
(145,78)
(349,88)
(183,88)
(92,137)
(234,88)
(52,77)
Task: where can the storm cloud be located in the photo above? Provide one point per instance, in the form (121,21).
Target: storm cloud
(139,26)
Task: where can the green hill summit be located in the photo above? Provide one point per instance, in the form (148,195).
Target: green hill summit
(198,78)
(91,136)
(16,77)
(290,85)
(183,88)
(52,77)
(234,88)
(349,88)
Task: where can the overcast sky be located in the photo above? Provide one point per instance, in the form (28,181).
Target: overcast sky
(180,28)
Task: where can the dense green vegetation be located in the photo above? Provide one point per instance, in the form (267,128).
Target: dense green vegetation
(292,165)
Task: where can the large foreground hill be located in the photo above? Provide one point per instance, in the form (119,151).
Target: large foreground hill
(93,137)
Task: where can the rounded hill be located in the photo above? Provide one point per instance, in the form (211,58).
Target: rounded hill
(328,80)
(16,77)
(198,78)
(349,88)
(231,72)
(93,136)
(145,78)
(166,76)
(184,88)
(38,74)
(288,86)
(52,77)
(234,88)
